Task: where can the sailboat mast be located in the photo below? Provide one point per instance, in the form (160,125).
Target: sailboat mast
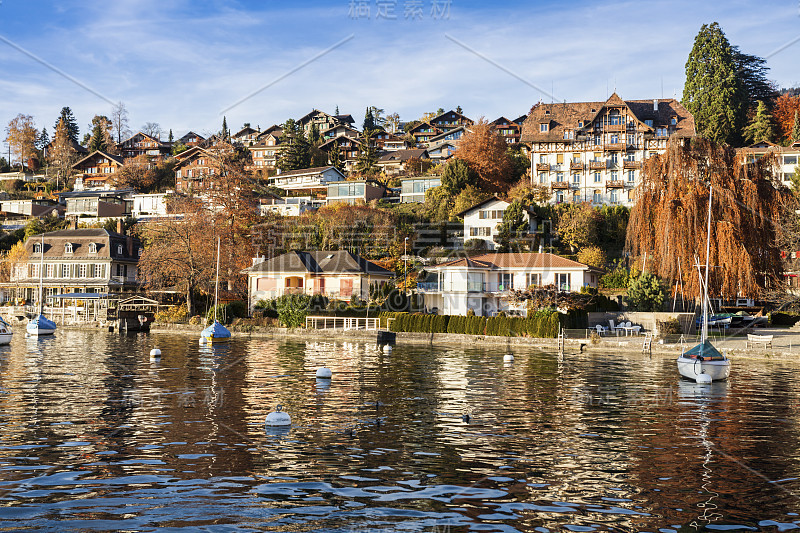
(41,277)
(705,287)
(216,286)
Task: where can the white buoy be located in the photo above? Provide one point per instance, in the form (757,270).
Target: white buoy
(703,378)
(155,353)
(508,358)
(278,417)
(203,340)
(387,348)
(324,373)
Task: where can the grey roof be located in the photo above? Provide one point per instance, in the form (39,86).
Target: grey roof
(403,155)
(320,263)
(80,240)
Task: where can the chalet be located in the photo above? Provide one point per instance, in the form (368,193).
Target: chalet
(594,151)
(786,158)
(246,136)
(450,120)
(481,283)
(96,171)
(341,129)
(265,152)
(191,139)
(442,147)
(338,274)
(192,169)
(322,121)
(313,180)
(274,130)
(423,132)
(349,149)
(508,129)
(402,160)
(143,144)
(77,261)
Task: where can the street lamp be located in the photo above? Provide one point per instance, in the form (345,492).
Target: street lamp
(405,260)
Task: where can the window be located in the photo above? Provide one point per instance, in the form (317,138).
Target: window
(119,249)
(92,248)
(673,121)
(614,159)
(597,177)
(661,132)
(597,197)
(649,122)
(614,175)
(580,123)
(559,177)
(614,119)
(614,199)
(81,271)
(49,271)
(533,280)
(790,160)
(560,197)
(505,282)
(615,139)
(64,270)
(576,178)
(563,281)
(559,159)
(631,176)
(576,197)
(542,158)
(37,248)
(480,232)
(543,128)
(68,248)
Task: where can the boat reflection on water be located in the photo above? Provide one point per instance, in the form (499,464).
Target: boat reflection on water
(703,402)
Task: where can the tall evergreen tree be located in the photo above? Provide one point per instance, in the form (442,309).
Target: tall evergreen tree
(712,92)
(296,153)
(367,156)
(335,158)
(752,75)
(43,140)
(170,135)
(224,133)
(369,120)
(337,111)
(760,128)
(70,122)
(512,228)
(796,127)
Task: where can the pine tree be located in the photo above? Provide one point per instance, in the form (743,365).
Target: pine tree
(369,121)
(98,139)
(224,131)
(296,153)
(337,111)
(712,92)
(335,158)
(796,127)
(69,119)
(44,139)
(512,228)
(367,156)
(760,128)
(170,136)
(101,136)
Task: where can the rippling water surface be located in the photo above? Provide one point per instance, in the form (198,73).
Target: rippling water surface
(93,436)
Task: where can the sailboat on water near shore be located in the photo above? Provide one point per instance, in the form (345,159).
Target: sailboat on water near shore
(40,325)
(216,332)
(705,363)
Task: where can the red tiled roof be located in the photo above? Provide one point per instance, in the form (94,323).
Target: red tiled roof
(514,260)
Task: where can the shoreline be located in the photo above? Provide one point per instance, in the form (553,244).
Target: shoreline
(786,347)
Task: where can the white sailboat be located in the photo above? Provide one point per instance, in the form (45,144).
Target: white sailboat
(41,325)
(216,332)
(5,332)
(704,363)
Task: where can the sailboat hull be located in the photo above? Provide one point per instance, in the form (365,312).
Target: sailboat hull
(690,368)
(5,338)
(40,326)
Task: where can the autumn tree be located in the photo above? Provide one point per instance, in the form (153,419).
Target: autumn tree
(16,255)
(785,111)
(592,256)
(62,154)
(486,152)
(668,220)
(393,122)
(21,136)
(577,225)
(528,193)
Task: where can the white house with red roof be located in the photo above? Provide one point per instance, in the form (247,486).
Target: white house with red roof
(483,282)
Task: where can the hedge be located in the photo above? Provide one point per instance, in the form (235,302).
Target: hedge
(543,324)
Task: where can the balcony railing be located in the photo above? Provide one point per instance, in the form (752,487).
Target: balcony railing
(597,165)
(615,127)
(576,165)
(615,184)
(631,164)
(615,146)
(560,185)
(542,167)
(428,287)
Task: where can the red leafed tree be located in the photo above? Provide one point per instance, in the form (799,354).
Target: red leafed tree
(486,152)
(785,108)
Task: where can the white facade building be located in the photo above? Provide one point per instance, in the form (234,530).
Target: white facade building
(481,221)
(482,283)
(594,151)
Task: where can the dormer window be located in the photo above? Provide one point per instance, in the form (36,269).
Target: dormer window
(580,123)
(673,121)
(649,122)
(92,248)
(119,249)
(37,248)
(543,128)
(68,248)
(546,111)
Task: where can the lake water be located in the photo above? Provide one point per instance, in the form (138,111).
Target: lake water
(93,436)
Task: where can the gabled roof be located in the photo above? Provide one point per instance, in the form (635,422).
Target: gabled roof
(420,125)
(192,134)
(492,199)
(309,171)
(403,155)
(186,156)
(76,147)
(159,141)
(499,261)
(319,262)
(434,119)
(444,134)
(566,116)
(504,120)
(117,159)
(244,131)
(326,144)
(275,129)
(345,118)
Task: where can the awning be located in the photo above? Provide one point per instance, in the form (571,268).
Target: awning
(82,295)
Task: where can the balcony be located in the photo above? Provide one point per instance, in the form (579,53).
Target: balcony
(615,184)
(615,146)
(428,287)
(542,167)
(615,127)
(597,165)
(576,165)
(560,185)
(631,164)
(498,287)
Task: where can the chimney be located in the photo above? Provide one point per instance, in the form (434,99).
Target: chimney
(655,105)
(129,242)
(120,227)
(74,223)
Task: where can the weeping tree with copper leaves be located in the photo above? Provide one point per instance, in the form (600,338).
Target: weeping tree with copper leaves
(669,220)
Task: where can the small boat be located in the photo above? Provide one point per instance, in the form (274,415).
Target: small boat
(5,332)
(704,362)
(216,332)
(41,325)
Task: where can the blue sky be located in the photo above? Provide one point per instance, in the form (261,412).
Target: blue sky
(182,63)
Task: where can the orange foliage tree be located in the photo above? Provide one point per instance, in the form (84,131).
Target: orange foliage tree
(668,221)
(785,108)
(486,152)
